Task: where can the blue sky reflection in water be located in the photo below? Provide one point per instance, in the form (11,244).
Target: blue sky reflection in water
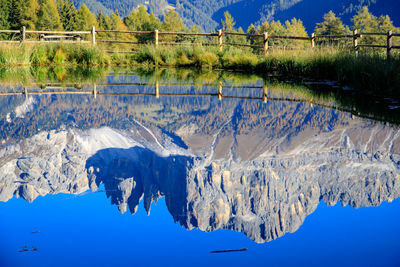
(262,169)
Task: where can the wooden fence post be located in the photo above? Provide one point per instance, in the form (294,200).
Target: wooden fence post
(389,45)
(157,90)
(220,91)
(265,92)
(156,37)
(23,33)
(312,38)
(265,42)
(220,43)
(94,91)
(355,42)
(93,36)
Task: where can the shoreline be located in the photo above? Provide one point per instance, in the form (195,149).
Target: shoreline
(369,72)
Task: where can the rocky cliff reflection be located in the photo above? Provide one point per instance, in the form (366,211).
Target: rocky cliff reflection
(248,167)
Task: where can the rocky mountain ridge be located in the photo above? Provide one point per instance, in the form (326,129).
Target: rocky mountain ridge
(264,196)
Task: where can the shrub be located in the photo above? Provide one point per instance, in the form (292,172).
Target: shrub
(206,59)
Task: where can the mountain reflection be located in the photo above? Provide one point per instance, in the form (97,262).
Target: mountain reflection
(248,166)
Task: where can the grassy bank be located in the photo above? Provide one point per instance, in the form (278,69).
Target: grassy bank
(367,72)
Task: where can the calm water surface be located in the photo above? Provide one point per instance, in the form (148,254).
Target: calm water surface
(158,170)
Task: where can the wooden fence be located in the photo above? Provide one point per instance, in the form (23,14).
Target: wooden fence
(157,91)
(78,37)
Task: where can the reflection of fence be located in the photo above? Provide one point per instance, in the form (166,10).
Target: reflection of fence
(59,89)
(153,37)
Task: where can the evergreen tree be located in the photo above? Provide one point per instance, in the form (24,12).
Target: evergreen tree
(29,16)
(264,28)
(23,13)
(172,22)
(48,17)
(385,24)
(154,23)
(331,25)
(228,23)
(5,8)
(252,30)
(364,21)
(85,19)
(276,28)
(68,14)
(295,27)
(114,22)
(140,20)
(101,20)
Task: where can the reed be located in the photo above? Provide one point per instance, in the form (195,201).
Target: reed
(370,71)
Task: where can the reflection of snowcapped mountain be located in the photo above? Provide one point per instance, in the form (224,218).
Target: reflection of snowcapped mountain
(254,178)
(27,106)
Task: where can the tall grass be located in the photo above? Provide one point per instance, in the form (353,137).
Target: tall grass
(368,71)
(52,54)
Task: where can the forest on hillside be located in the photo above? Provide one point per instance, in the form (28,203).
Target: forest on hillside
(63,15)
(207,14)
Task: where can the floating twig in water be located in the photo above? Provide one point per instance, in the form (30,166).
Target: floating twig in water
(229,250)
(24,249)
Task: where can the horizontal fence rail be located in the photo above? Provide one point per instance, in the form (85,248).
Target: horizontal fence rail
(153,37)
(264,95)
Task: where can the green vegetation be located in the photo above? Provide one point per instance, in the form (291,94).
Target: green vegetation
(27,76)
(367,72)
(370,71)
(53,54)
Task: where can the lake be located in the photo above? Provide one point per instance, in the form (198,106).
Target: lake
(166,167)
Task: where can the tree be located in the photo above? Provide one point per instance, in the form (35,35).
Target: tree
(228,23)
(385,24)
(252,30)
(48,17)
(295,27)
(331,25)
(5,8)
(29,16)
(23,13)
(172,22)
(276,28)
(85,19)
(140,20)
(114,22)
(101,20)
(364,21)
(68,14)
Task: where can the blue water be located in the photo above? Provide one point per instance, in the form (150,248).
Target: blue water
(88,231)
(60,229)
